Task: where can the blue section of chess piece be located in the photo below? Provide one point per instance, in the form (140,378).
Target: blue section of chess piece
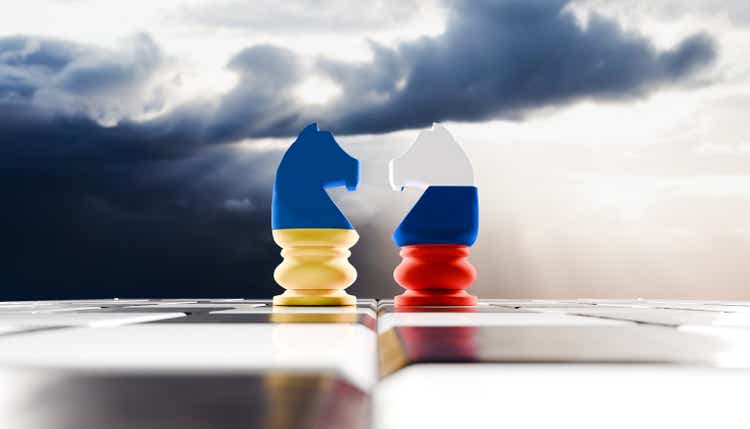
(313,162)
(443,215)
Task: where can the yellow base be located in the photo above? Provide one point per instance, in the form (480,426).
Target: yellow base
(316,268)
(314,297)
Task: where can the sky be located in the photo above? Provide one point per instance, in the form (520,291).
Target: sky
(139,140)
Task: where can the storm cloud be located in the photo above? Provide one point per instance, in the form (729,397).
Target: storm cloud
(501,59)
(139,208)
(59,77)
(495,60)
(111,189)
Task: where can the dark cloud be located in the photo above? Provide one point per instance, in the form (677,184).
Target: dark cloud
(135,209)
(98,201)
(498,59)
(262,103)
(70,79)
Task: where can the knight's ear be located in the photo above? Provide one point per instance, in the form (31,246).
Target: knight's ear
(311,129)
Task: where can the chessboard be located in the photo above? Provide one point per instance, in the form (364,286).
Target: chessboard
(243,363)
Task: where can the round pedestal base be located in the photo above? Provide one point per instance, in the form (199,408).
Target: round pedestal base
(427,297)
(313,297)
(315,269)
(435,275)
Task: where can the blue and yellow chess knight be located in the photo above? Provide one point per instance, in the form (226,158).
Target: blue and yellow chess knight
(314,235)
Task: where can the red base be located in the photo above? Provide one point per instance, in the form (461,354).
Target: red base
(435,275)
(434,297)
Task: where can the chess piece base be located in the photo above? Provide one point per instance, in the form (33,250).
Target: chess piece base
(435,297)
(314,297)
(435,275)
(315,269)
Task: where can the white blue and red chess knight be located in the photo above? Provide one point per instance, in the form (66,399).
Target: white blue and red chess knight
(436,234)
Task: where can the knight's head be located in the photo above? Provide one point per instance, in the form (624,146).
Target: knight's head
(434,159)
(317,159)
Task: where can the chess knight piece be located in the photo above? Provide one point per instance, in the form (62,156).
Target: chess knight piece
(436,234)
(313,233)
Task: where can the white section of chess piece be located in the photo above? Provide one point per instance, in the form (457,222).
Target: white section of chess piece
(435,159)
